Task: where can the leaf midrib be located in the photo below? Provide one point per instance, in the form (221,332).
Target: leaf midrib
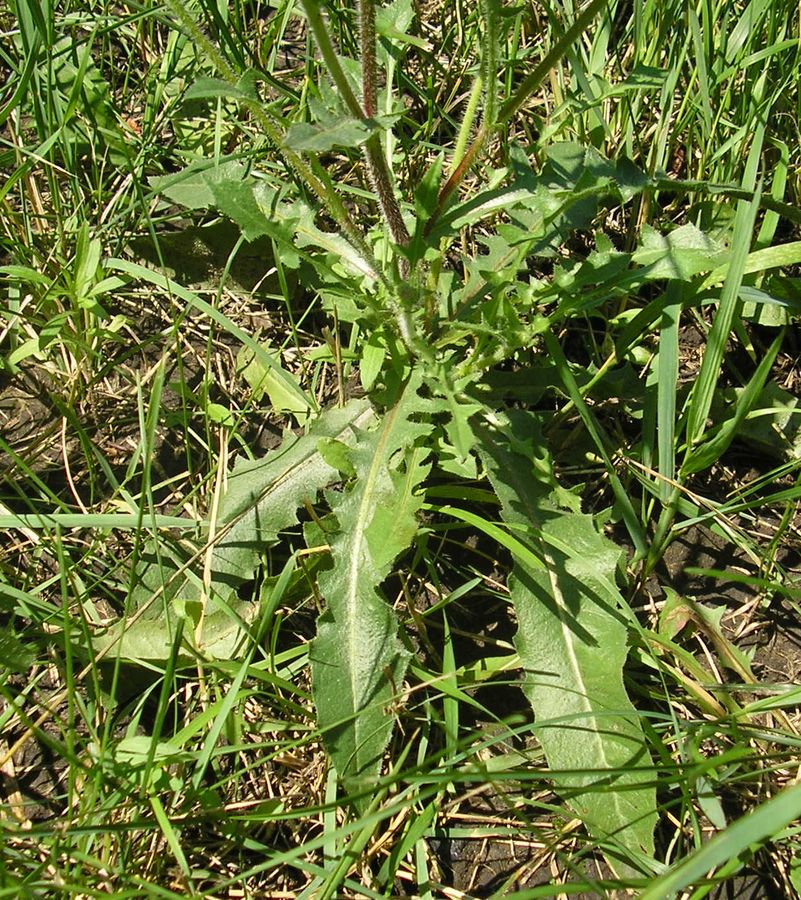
(357,543)
(592,718)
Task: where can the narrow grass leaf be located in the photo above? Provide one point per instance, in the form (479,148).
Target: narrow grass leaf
(703,456)
(137,271)
(777,257)
(115,521)
(704,388)
(740,839)
(170,835)
(628,512)
(667,385)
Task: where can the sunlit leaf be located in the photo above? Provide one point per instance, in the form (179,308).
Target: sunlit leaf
(357,660)
(572,643)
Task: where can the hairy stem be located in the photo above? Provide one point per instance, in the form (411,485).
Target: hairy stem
(489,60)
(513,104)
(467,122)
(377,168)
(316,181)
(367,50)
(311,173)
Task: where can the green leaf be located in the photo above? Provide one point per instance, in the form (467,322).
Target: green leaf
(392,21)
(461,407)
(253,205)
(263,495)
(704,455)
(150,640)
(192,186)
(261,500)
(341,131)
(214,88)
(337,455)
(165,587)
(14,654)
(220,415)
(309,235)
(249,201)
(680,254)
(773,425)
(357,660)
(374,353)
(572,642)
(263,380)
(137,271)
(738,841)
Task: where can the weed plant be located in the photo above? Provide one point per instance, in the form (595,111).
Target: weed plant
(401,449)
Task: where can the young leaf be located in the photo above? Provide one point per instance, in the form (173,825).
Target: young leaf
(357,660)
(572,642)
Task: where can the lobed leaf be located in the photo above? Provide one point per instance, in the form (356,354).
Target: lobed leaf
(263,495)
(572,642)
(357,660)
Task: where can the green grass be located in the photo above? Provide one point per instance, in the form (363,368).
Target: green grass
(160,328)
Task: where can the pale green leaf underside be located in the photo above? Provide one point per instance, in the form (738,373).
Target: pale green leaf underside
(573,648)
(166,578)
(680,254)
(344,131)
(152,640)
(262,500)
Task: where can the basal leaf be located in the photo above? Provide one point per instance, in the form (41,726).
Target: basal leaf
(263,495)
(166,582)
(150,639)
(357,659)
(572,643)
